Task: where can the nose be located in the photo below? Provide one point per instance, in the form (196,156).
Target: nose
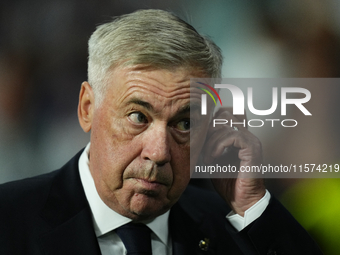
(156,145)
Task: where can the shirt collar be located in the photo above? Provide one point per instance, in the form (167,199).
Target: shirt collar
(104,218)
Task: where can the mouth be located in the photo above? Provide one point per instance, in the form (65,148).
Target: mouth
(148,187)
(149,182)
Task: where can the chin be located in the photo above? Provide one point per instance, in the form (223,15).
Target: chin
(145,207)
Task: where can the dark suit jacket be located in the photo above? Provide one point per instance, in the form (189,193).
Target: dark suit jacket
(49,214)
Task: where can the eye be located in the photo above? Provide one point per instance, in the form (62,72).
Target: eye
(138,118)
(184,125)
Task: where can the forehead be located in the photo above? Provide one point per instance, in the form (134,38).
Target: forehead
(151,84)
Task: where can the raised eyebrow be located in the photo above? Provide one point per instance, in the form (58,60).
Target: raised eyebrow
(146,105)
(183,110)
(187,108)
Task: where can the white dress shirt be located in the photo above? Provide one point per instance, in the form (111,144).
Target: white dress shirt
(105,220)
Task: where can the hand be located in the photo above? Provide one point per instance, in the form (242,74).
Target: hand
(243,149)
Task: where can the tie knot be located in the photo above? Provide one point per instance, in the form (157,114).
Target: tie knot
(136,238)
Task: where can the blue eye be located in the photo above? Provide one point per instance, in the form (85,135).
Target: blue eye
(138,117)
(184,125)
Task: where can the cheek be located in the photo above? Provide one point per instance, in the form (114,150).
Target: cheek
(181,172)
(111,151)
(181,157)
(197,141)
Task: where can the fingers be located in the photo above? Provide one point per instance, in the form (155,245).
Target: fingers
(218,142)
(224,137)
(225,145)
(225,113)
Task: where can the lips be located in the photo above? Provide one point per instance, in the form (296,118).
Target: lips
(148,181)
(146,187)
(150,184)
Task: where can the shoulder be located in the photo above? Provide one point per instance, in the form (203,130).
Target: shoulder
(21,203)
(30,194)
(33,208)
(25,193)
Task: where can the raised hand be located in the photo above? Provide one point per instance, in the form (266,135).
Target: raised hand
(238,147)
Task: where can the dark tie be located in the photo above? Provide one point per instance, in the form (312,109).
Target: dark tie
(136,238)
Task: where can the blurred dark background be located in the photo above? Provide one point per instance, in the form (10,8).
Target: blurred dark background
(43,61)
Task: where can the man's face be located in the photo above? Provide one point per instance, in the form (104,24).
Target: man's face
(140,140)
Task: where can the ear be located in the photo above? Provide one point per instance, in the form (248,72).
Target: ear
(86,106)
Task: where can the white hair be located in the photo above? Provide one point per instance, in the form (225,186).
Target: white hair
(154,38)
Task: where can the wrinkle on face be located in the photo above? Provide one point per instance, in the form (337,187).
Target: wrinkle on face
(141,169)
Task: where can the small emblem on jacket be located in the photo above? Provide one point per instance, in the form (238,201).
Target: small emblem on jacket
(204,244)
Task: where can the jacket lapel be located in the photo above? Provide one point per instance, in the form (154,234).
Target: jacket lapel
(187,234)
(69,227)
(74,236)
(199,218)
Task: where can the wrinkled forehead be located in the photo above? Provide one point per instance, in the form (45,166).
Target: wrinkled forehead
(151,86)
(165,79)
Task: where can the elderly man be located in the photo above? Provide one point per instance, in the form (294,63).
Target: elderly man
(127,191)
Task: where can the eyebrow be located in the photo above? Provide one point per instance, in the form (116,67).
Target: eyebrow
(141,103)
(187,108)
(182,110)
